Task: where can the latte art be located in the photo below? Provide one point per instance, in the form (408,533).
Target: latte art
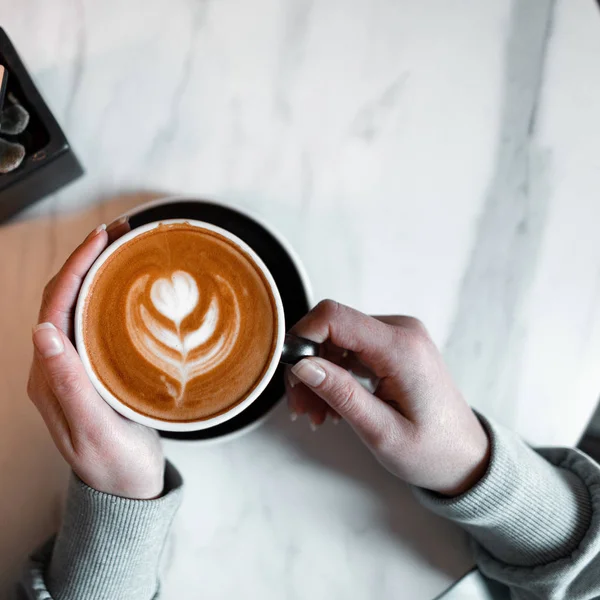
(180,324)
(181,356)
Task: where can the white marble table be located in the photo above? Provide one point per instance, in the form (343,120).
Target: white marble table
(433,157)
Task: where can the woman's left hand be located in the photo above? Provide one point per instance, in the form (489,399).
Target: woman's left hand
(107,451)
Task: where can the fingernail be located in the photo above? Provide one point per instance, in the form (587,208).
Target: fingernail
(313,426)
(47,340)
(118,223)
(309,373)
(293,416)
(336,419)
(96,231)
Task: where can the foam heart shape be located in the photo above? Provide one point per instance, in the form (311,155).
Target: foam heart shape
(175,298)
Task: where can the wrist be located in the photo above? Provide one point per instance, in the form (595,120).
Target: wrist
(472,466)
(139,486)
(548,496)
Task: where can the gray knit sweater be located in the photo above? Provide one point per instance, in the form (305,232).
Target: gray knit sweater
(534,518)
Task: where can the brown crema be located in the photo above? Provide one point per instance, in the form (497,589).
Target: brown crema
(180,324)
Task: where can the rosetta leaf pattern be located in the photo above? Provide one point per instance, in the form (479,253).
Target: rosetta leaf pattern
(180,356)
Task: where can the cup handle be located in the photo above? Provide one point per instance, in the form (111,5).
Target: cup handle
(296,348)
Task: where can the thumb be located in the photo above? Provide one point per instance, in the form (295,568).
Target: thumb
(66,376)
(367,414)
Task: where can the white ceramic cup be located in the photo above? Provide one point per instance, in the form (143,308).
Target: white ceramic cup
(128,412)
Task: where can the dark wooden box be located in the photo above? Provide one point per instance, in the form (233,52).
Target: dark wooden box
(49,163)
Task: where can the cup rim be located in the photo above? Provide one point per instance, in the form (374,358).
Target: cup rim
(244,211)
(110,398)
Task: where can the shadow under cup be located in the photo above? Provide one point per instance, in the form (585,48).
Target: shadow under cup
(285,269)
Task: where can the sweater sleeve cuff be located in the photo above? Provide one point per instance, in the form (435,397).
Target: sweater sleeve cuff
(109,547)
(524,511)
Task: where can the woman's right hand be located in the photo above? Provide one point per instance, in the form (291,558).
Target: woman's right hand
(416,422)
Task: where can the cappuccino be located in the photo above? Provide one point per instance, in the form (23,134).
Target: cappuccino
(180,324)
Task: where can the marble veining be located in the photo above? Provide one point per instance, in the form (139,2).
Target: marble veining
(78,22)
(510,228)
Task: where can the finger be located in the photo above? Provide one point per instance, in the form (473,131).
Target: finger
(303,401)
(295,394)
(60,295)
(370,339)
(368,415)
(400,321)
(117,229)
(66,377)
